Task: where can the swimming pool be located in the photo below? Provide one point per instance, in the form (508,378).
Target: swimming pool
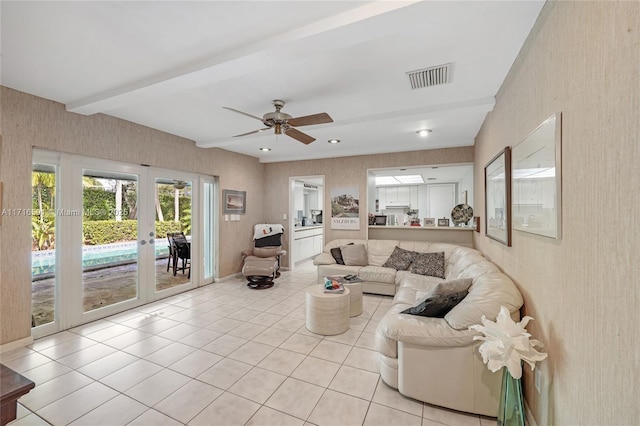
(43,262)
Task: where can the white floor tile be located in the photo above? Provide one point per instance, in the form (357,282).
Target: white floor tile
(130,375)
(170,354)
(257,385)
(227,409)
(154,418)
(379,415)
(266,416)
(296,398)
(317,371)
(282,361)
(54,389)
(300,343)
(86,356)
(225,373)
(390,397)
(331,351)
(30,420)
(46,372)
(107,365)
(157,387)
(200,338)
(363,358)
(251,352)
(185,403)
(273,336)
(356,382)
(127,338)
(65,410)
(195,363)
(117,411)
(27,362)
(335,409)
(147,346)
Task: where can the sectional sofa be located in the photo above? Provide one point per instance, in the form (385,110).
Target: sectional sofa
(434,360)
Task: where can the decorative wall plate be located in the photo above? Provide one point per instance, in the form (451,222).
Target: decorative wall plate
(461,213)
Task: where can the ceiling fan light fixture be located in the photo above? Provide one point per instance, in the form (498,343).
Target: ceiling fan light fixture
(179,184)
(424,132)
(333,141)
(265,149)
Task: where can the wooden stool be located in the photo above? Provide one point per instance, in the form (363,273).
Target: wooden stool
(327,313)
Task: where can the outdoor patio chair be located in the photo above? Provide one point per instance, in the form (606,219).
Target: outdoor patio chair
(172,254)
(181,251)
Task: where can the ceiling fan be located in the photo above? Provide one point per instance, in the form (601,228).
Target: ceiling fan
(284,123)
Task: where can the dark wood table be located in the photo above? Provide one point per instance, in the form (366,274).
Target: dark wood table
(12,386)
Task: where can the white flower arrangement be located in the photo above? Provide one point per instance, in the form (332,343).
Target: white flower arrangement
(507,344)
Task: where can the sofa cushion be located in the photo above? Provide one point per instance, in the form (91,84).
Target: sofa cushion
(335,269)
(419,282)
(354,255)
(378,274)
(489,291)
(380,250)
(436,306)
(400,259)
(431,264)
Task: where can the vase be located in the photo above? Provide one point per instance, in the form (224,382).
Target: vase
(511,410)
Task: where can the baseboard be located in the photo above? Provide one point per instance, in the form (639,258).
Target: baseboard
(6,347)
(233,276)
(531,421)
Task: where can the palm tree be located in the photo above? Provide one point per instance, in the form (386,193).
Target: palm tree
(39,181)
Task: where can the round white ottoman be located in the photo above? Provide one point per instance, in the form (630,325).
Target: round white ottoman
(327,313)
(355,300)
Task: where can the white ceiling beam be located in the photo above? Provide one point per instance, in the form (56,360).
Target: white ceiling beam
(485,104)
(261,55)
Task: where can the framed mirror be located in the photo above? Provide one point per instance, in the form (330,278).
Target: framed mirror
(537,180)
(497,190)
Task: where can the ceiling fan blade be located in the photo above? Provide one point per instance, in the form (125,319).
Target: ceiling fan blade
(250,133)
(243,113)
(308,120)
(299,136)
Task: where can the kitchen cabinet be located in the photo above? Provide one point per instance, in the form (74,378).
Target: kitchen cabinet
(398,194)
(307,242)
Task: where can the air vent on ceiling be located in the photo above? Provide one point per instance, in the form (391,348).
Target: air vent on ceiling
(428,77)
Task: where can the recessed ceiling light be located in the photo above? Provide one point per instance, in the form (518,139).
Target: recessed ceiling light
(424,132)
(265,149)
(334,141)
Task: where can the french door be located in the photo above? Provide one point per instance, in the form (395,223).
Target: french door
(113,251)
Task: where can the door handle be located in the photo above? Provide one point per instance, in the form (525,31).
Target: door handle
(143,242)
(151,241)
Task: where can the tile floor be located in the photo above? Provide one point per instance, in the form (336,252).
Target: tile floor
(222,354)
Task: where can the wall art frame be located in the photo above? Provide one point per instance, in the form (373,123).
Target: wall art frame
(537,180)
(234,202)
(497,197)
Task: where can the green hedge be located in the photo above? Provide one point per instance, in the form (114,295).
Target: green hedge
(111,231)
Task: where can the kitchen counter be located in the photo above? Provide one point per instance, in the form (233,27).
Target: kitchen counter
(306,227)
(446,234)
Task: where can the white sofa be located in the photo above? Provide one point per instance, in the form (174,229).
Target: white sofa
(435,360)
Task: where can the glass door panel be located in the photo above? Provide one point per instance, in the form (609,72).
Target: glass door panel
(109,238)
(43,253)
(173,205)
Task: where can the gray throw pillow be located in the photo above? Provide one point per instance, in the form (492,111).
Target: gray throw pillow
(400,259)
(354,255)
(431,264)
(436,306)
(452,286)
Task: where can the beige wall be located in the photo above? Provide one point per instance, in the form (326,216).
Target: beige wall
(346,172)
(30,121)
(583,59)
